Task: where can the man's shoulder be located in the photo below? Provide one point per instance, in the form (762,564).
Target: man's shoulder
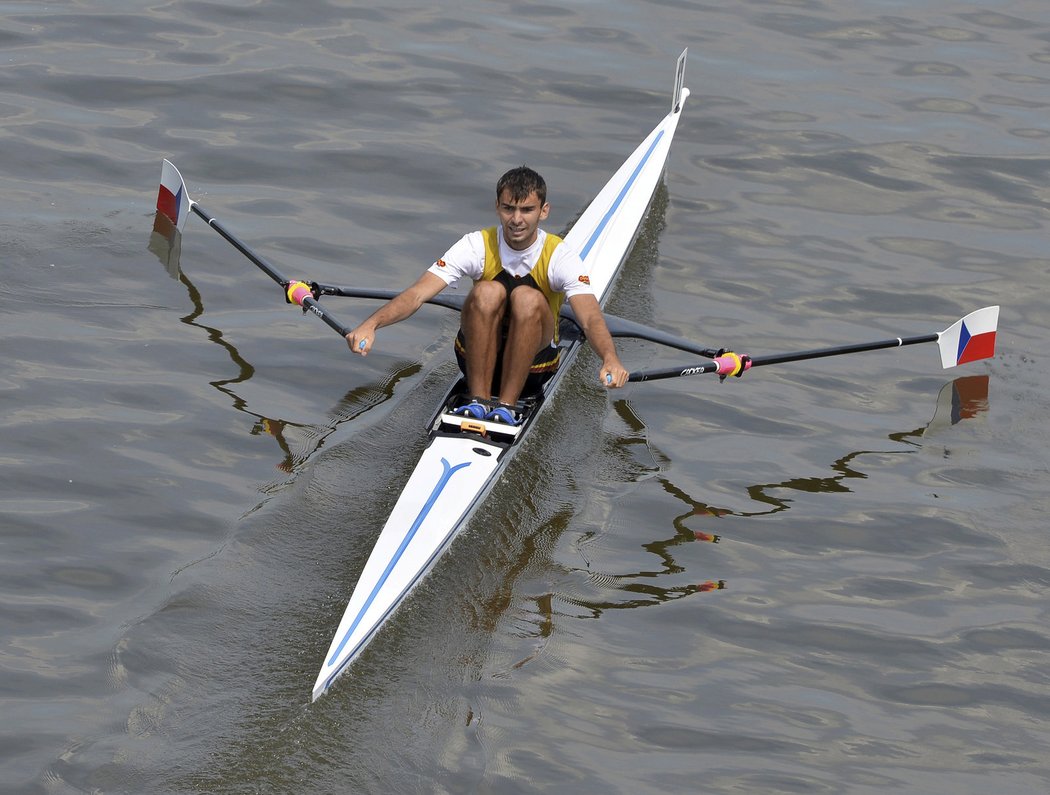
(562,250)
(473,242)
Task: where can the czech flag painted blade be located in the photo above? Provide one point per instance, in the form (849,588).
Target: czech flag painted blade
(970,339)
(173,200)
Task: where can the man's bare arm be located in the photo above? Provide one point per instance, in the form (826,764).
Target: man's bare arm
(592,321)
(398,308)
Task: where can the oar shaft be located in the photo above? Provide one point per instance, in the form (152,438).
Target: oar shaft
(308,303)
(719,365)
(242,247)
(673,372)
(839,350)
(441,299)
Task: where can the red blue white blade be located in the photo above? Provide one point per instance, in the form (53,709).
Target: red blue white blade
(969,339)
(173,200)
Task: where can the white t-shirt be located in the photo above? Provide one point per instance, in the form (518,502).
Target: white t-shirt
(466,259)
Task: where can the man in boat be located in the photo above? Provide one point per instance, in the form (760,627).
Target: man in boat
(508,339)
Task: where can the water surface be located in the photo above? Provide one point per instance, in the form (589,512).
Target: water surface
(193,473)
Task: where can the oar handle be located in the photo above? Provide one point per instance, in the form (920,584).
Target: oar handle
(725,364)
(300,293)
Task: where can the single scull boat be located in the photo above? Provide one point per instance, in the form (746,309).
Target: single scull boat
(464,458)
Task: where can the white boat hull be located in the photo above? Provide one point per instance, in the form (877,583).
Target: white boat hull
(460,466)
(450,478)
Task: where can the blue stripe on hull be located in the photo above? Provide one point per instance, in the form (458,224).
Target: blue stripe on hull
(619,199)
(439,487)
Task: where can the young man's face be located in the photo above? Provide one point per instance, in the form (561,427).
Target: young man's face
(520,220)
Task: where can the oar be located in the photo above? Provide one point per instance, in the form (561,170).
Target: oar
(967,340)
(441,299)
(175,202)
(618,326)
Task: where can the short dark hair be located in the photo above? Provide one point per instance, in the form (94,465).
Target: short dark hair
(522,181)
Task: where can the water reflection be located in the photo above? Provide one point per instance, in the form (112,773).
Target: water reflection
(165,243)
(964,398)
(310,437)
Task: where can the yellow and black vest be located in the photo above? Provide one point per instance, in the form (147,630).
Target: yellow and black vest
(546,360)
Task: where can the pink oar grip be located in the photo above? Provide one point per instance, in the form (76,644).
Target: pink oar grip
(732,364)
(297,292)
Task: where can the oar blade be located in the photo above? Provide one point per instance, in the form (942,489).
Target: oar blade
(970,339)
(173,199)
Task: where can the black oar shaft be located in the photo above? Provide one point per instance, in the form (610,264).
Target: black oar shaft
(780,358)
(441,299)
(309,303)
(839,350)
(313,306)
(242,247)
(673,372)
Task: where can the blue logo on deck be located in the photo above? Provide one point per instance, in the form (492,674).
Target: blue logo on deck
(446,475)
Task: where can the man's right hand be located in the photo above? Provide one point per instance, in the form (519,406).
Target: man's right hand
(361,338)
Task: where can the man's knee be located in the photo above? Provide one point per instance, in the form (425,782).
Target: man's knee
(486,297)
(529,309)
(527,302)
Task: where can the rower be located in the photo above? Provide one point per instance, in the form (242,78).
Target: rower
(507,345)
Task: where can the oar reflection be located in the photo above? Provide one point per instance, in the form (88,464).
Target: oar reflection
(297,441)
(965,397)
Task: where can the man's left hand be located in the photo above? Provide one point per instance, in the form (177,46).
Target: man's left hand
(613,375)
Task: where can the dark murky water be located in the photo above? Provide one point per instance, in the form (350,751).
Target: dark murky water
(193,472)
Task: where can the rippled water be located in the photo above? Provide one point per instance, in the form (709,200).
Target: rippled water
(825,577)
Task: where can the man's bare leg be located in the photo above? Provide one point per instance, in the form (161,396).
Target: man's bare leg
(480,320)
(531,328)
